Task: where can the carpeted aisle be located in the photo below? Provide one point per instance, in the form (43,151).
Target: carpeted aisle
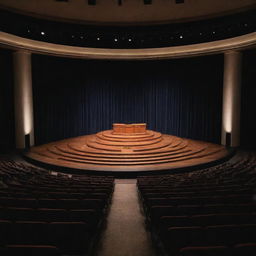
(125,234)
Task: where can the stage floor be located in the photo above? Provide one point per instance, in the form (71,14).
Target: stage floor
(138,154)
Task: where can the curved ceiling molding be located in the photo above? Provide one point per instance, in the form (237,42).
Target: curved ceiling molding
(215,47)
(129,12)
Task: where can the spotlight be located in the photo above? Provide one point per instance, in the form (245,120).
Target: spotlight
(42,33)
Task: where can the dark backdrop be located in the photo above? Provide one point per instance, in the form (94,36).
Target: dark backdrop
(248,108)
(6,101)
(74,97)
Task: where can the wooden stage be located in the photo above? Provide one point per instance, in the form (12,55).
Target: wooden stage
(127,150)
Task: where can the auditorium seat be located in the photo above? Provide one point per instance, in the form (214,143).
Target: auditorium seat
(222,234)
(5,226)
(61,195)
(21,195)
(205,251)
(248,249)
(215,203)
(45,214)
(19,202)
(189,209)
(90,216)
(70,237)
(19,214)
(28,232)
(30,250)
(51,215)
(48,203)
(222,219)
(174,221)
(69,203)
(248,233)
(97,195)
(157,211)
(175,238)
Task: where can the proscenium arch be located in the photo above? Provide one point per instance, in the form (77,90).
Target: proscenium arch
(231,45)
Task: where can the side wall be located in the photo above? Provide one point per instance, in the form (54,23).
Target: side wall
(248,110)
(7,139)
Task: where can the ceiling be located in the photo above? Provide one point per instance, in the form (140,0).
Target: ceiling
(130,12)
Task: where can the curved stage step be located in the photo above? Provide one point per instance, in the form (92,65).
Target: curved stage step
(127,152)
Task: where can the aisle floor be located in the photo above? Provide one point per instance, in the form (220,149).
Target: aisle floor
(125,233)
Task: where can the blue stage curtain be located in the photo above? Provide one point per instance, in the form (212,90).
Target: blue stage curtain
(77,97)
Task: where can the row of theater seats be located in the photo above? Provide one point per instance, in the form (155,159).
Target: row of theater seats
(43,212)
(209,212)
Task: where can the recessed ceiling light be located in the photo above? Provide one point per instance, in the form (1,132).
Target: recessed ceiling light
(179,1)
(147,1)
(92,2)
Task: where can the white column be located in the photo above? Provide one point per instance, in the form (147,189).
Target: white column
(231,97)
(23,98)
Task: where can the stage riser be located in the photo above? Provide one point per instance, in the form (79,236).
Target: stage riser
(106,151)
